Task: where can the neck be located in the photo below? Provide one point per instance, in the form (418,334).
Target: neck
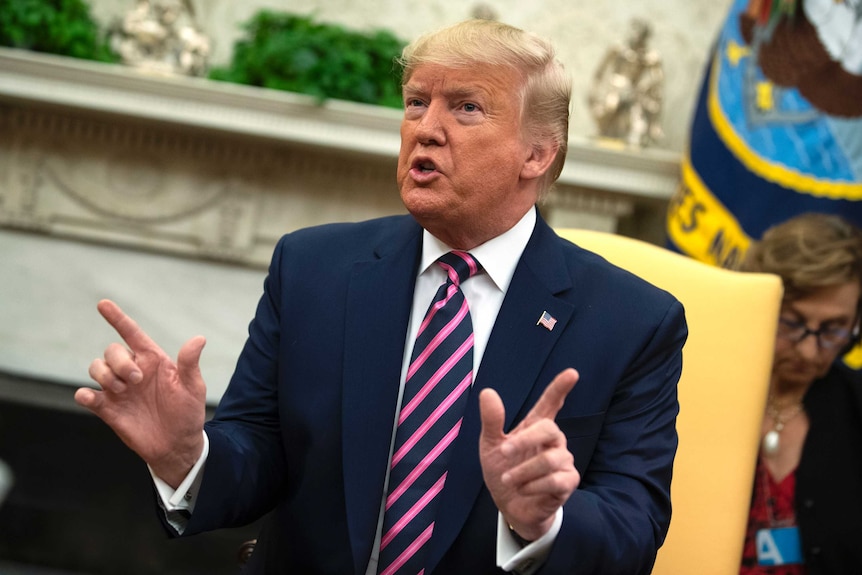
(782,395)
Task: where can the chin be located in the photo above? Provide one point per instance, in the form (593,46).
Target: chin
(801,379)
(422,202)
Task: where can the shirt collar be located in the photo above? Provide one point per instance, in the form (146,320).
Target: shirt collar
(499,256)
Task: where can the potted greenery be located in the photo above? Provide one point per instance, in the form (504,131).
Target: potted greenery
(279,50)
(63,27)
(294,53)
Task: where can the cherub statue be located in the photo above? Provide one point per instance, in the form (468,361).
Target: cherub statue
(625,98)
(161,36)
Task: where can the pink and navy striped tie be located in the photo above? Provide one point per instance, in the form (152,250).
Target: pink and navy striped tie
(436,388)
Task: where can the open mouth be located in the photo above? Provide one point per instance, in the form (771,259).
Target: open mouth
(424,166)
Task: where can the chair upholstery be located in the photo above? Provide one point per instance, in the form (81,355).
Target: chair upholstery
(722,394)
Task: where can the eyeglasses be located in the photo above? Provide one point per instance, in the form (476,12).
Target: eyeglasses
(827,337)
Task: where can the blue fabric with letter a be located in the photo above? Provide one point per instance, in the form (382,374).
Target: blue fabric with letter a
(780,546)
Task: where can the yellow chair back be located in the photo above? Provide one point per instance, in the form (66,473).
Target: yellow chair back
(727,362)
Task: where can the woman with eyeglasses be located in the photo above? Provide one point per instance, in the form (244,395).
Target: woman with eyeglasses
(806,511)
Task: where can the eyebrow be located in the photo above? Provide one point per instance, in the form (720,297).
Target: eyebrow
(456,92)
(825,322)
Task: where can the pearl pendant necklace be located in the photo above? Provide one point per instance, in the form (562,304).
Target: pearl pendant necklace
(772,439)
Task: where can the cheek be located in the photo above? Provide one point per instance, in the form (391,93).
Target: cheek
(829,357)
(492,161)
(782,346)
(400,170)
(781,356)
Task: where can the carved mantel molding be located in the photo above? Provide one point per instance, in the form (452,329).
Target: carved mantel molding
(214,170)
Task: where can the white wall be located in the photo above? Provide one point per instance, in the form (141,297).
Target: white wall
(50,329)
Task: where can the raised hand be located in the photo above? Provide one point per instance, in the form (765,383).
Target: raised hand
(528,471)
(157,407)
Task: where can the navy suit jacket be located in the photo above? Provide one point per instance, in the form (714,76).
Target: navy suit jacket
(304,428)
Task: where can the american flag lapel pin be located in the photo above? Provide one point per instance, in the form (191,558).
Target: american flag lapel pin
(547,321)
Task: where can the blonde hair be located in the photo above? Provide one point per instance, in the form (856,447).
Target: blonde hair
(545,93)
(808,252)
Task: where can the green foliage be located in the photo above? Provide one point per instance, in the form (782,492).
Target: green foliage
(62,27)
(293,53)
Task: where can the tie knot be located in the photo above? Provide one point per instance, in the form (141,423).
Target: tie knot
(459,266)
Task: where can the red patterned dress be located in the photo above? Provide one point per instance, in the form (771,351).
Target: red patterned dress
(772,506)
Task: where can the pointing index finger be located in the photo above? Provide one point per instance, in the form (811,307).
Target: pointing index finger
(126,327)
(553,397)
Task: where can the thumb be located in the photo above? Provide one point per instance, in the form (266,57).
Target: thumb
(86,397)
(188,360)
(493,415)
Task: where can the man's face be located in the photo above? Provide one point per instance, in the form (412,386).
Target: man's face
(461,170)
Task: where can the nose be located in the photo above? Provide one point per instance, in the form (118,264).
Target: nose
(430,129)
(808,347)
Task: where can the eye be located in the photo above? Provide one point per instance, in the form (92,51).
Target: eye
(413,103)
(470,107)
(836,330)
(791,322)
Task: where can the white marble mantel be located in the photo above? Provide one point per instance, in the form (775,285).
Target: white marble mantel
(197,103)
(168,194)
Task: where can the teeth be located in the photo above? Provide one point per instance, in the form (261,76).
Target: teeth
(426,167)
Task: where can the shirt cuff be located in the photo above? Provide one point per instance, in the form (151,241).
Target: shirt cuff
(179,503)
(525,560)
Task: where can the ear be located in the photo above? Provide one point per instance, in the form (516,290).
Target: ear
(541,156)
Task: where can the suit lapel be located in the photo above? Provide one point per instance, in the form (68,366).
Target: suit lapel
(541,273)
(378,309)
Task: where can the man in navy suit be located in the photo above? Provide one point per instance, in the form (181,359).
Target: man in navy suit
(544,475)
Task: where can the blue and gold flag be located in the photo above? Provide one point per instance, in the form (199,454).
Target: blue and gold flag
(778,127)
